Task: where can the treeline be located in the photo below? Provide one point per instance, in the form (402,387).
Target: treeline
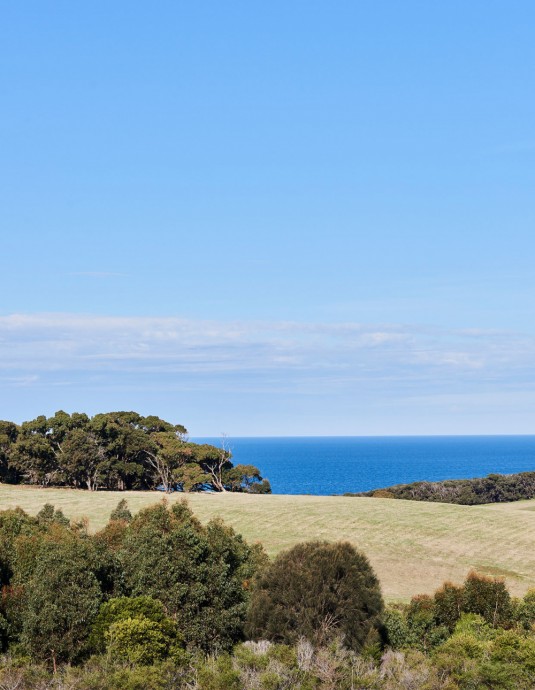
(117,451)
(160,602)
(495,488)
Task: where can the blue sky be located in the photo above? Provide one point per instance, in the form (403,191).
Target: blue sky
(270,218)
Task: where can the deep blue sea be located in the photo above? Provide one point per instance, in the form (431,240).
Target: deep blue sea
(333,465)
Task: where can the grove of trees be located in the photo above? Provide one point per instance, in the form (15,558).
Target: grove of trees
(117,451)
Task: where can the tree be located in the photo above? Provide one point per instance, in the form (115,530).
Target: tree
(214,462)
(121,512)
(165,456)
(33,458)
(448,604)
(246,478)
(125,441)
(8,435)
(198,573)
(118,451)
(487,597)
(61,598)
(83,459)
(319,591)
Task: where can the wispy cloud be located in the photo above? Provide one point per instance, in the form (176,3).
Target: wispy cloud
(275,355)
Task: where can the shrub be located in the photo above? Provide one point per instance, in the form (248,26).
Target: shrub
(448,605)
(318,591)
(487,597)
(525,610)
(382,493)
(123,608)
(396,628)
(424,633)
(121,512)
(60,600)
(137,641)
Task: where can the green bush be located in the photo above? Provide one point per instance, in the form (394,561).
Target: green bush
(137,641)
(123,608)
(448,605)
(121,512)
(318,591)
(477,656)
(487,597)
(525,611)
(219,674)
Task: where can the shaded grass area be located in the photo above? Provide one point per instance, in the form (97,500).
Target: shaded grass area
(413,546)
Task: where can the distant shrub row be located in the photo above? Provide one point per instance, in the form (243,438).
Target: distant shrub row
(496,488)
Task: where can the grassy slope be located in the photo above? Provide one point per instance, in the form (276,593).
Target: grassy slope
(413,546)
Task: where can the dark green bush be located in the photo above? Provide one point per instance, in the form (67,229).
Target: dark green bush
(448,605)
(318,591)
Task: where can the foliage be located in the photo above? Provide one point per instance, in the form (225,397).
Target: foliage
(319,591)
(123,608)
(495,488)
(60,598)
(136,593)
(138,640)
(198,573)
(121,512)
(525,611)
(502,660)
(118,451)
(480,604)
(487,597)
(448,604)
(183,581)
(48,515)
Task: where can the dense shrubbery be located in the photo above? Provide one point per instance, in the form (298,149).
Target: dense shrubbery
(117,450)
(157,601)
(161,575)
(496,488)
(428,620)
(470,659)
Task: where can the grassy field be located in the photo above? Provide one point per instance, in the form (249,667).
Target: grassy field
(413,546)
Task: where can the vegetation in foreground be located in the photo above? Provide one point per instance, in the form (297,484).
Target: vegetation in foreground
(157,601)
(495,488)
(117,451)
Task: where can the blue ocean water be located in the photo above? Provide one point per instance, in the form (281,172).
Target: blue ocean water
(333,465)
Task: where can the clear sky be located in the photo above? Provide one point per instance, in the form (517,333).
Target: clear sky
(270,218)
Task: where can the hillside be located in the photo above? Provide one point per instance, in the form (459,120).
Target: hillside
(413,546)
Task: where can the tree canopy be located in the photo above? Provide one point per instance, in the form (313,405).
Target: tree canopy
(67,593)
(118,451)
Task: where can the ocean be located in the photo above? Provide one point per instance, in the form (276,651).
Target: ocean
(334,465)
